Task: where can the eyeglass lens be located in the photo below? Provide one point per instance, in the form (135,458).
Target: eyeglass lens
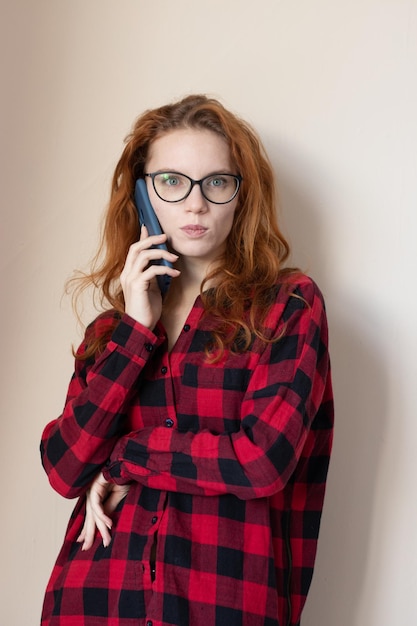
(218,188)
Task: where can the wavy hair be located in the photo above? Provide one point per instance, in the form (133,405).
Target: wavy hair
(253,261)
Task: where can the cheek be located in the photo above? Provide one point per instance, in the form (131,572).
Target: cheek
(162,215)
(228,222)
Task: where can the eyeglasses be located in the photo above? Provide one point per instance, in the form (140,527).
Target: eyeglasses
(216,188)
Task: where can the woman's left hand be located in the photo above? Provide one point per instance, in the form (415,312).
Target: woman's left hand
(102,499)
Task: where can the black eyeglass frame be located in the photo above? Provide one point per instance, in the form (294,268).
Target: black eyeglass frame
(193,182)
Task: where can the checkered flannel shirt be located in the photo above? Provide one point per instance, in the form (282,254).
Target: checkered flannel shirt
(227,464)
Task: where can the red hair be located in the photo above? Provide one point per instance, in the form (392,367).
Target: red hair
(253,261)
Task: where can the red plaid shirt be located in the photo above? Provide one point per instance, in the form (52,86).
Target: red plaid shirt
(227,464)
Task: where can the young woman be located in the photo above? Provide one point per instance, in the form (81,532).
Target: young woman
(197,428)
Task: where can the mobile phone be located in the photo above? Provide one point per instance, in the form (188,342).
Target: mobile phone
(148,217)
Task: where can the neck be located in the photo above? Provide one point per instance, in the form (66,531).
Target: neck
(186,287)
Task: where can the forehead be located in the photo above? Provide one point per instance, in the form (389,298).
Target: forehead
(189,148)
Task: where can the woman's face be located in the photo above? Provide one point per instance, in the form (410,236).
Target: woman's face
(194,226)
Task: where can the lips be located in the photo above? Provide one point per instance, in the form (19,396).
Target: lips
(194,230)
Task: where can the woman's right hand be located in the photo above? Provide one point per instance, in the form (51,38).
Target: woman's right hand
(143,300)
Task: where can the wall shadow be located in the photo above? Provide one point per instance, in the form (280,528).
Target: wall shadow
(360,380)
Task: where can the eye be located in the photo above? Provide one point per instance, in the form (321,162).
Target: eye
(171,180)
(217,181)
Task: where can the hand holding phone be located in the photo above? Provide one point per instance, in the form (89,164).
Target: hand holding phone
(147,216)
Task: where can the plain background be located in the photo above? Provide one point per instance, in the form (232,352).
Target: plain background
(331,87)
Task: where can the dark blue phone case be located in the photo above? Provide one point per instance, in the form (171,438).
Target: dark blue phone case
(148,217)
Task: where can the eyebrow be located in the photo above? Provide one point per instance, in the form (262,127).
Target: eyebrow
(168,170)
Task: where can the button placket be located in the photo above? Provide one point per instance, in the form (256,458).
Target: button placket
(165,370)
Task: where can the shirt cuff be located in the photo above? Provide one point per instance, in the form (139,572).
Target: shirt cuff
(134,339)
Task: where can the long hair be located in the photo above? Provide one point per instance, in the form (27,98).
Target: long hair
(255,251)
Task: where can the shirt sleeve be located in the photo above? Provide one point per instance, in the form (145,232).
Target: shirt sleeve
(288,400)
(75,446)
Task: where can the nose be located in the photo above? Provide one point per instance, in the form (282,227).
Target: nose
(195,201)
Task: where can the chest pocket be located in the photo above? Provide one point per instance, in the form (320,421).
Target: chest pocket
(219,378)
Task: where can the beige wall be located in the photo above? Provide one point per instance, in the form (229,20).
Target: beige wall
(331,87)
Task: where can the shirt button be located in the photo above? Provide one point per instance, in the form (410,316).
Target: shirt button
(187,328)
(149,623)
(164,370)
(169,422)
(154,519)
(148,347)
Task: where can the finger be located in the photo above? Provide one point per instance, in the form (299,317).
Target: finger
(143,232)
(143,279)
(146,241)
(92,524)
(97,508)
(88,532)
(158,270)
(140,258)
(103,529)
(102,521)
(94,516)
(81,537)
